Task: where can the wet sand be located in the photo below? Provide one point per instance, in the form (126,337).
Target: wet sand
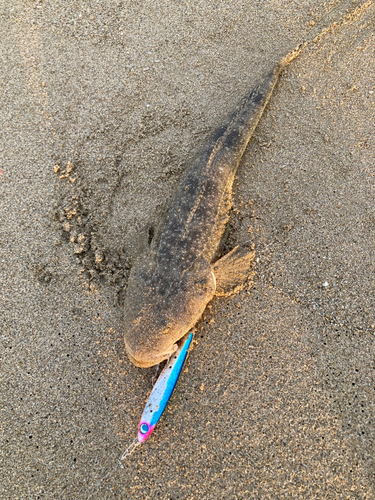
(103,107)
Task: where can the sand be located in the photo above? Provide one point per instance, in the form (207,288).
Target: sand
(104,105)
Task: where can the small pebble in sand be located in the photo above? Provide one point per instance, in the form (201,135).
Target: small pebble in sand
(325,284)
(98,257)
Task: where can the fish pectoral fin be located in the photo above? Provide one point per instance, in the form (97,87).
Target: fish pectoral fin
(232,272)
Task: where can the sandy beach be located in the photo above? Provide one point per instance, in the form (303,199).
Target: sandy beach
(104,105)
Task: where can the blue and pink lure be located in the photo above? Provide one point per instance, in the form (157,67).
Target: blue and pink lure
(162,391)
(160,395)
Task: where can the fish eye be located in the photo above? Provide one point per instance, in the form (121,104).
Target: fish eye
(201,281)
(167,329)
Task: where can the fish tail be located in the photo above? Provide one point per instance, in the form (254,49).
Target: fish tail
(243,122)
(292,55)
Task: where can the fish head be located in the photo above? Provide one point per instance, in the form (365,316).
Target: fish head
(161,306)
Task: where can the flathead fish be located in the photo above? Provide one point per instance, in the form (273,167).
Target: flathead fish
(179,272)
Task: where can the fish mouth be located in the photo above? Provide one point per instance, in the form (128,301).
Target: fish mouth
(148,361)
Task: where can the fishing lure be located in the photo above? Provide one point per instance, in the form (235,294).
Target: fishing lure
(160,395)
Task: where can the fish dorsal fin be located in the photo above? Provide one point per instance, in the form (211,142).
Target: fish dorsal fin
(232,271)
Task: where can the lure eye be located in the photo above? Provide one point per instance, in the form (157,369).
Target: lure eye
(143,429)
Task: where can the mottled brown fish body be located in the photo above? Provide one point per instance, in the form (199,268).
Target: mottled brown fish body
(174,279)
